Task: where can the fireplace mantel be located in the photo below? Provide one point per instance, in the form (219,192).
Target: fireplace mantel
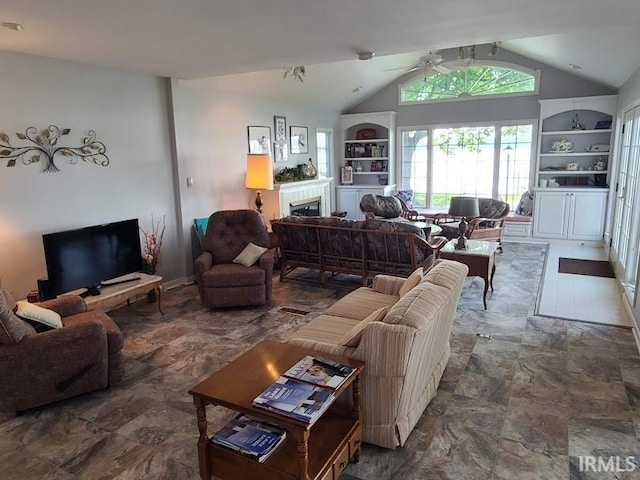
(277,201)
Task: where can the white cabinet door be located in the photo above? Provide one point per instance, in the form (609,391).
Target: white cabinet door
(551,214)
(586,218)
(348,201)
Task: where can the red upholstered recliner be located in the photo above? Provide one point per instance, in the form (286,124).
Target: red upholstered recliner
(223,283)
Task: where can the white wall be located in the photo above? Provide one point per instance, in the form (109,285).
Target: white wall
(129,114)
(211,143)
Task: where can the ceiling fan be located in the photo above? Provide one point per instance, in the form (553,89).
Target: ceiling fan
(431,61)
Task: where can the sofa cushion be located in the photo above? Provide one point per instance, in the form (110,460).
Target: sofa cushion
(115,340)
(416,309)
(353,336)
(326,329)
(360,303)
(12,329)
(35,313)
(411,281)
(249,255)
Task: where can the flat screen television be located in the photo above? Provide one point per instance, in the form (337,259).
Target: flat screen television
(87,257)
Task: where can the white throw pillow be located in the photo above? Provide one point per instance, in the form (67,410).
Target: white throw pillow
(32,312)
(353,336)
(412,281)
(249,255)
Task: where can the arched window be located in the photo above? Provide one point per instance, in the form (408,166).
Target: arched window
(466,82)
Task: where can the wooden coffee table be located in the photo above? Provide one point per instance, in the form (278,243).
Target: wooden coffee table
(310,452)
(479,256)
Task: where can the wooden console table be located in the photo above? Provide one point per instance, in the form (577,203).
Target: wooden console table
(319,451)
(113,295)
(479,256)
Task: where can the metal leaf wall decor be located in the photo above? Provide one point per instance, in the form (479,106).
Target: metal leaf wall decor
(45,148)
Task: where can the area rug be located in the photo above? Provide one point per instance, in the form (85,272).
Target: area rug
(577,266)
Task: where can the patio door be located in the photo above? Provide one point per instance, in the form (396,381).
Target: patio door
(624,240)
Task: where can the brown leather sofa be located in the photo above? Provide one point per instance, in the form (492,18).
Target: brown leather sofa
(223,283)
(38,367)
(364,248)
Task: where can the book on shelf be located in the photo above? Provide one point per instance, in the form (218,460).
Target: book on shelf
(250,437)
(320,371)
(296,399)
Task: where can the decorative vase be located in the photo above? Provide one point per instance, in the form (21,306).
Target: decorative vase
(312,172)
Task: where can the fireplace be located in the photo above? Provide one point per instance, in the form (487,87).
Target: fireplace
(309,207)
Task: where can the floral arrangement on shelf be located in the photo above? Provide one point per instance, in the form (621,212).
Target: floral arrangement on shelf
(152,245)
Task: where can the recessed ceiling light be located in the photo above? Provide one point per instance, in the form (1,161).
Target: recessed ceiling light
(16,27)
(575,67)
(357,89)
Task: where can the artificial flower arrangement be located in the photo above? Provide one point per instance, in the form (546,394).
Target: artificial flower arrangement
(152,244)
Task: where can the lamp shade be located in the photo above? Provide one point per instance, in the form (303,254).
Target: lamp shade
(464,207)
(259,171)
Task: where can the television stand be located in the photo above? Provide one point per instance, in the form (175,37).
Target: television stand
(113,295)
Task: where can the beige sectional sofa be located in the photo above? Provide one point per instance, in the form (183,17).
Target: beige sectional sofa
(405,350)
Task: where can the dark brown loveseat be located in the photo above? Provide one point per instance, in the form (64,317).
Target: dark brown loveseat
(364,248)
(37,368)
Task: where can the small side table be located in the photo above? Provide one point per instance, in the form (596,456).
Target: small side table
(479,256)
(428,228)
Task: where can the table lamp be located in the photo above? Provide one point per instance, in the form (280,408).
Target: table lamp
(259,174)
(465,207)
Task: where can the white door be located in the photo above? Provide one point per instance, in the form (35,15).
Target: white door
(624,240)
(349,201)
(550,214)
(586,215)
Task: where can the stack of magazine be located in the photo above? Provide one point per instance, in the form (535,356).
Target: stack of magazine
(306,390)
(250,437)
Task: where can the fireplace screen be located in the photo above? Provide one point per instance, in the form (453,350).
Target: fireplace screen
(306,208)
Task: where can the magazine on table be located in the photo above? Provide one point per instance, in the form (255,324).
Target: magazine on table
(250,437)
(320,371)
(295,399)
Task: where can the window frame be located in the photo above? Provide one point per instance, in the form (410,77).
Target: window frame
(454,65)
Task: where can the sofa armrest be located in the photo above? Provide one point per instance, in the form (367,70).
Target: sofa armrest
(65,305)
(386,349)
(387,284)
(201,264)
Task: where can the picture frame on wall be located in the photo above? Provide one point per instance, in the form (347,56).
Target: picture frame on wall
(280,128)
(280,151)
(259,139)
(299,138)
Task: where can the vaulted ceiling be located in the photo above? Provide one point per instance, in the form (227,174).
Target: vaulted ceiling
(245,44)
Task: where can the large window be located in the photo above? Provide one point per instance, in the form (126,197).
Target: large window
(468,82)
(492,161)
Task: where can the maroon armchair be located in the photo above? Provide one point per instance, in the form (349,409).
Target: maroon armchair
(223,283)
(41,366)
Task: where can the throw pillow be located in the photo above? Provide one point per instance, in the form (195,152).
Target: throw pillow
(412,281)
(30,311)
(250,254)
(352,337)
(525,205)
(406,196)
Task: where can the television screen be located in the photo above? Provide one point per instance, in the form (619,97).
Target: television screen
(88,256)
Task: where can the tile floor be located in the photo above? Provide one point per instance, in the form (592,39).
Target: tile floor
(580,297)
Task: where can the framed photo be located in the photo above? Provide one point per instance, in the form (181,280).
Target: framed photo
(259,139)
(299,140)
(280,151)
(280,128)
(346,175)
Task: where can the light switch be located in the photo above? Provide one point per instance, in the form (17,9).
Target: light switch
(189,181)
